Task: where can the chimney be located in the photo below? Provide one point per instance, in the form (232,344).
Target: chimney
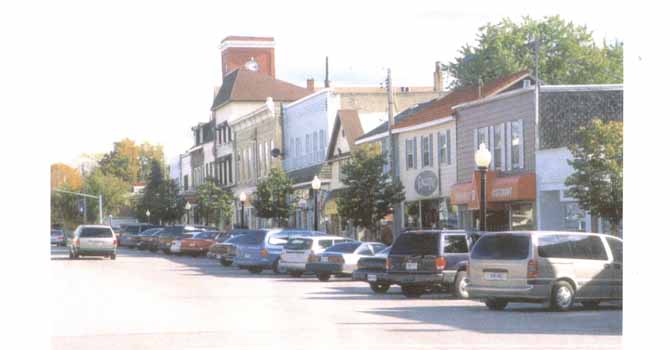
(238,51)
(326,83)
(438,77)
(310,84)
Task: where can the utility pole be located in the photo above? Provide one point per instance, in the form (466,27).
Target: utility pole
(98,197)
(391,150)
(536,49)
(326,82)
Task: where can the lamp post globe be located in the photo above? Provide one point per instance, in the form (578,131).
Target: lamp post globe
(187,207)
(482,160)
(316,185)
(148,213)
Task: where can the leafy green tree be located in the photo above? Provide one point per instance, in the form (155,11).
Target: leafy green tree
(131,162)
(160,197)
(567,54)
(214,203)
(272,197)
(369,192)
(174,204)
(115,194)
(597,181)
(65,208)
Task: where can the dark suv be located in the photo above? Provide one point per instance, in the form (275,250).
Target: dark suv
(422,260)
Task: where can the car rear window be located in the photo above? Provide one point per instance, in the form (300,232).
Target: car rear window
(299,244)
(502,247)
(205,235)
(56,233)
(344,247)
(571,247)
(253,238)
(95,232)
(416,244)
(455,244)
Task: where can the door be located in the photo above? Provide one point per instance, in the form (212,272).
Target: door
(591,266)
(615,269)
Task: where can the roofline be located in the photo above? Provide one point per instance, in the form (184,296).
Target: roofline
(588,87)
(254,43)
(493,98)
(424,125)
(371,138)
(314,94)
(259,110)
(302,184)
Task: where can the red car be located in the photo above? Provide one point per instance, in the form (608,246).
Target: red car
(199,244)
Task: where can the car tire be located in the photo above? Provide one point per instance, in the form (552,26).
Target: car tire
(562,296)
(255,269)
(412,292)
(458,288)
(496,304)
(296,274)
(379,288)
(113,256)
(591,305)
(323,277)
(225,262)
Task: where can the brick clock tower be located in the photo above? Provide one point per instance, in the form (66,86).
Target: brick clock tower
(255,53)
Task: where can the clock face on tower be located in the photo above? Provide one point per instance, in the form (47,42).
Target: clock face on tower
(251,65)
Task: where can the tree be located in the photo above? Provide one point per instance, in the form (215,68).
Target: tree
(130,162)
(597,181)
(64,207)
(115,193)
(272,197)
(214,203)
(65,176)
(369,192)
(160,197)
(567,54)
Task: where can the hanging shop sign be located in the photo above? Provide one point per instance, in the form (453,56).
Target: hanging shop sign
(425,183)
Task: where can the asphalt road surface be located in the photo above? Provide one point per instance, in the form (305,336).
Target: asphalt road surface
(144,300)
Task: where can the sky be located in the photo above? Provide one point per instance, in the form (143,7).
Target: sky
(147,70)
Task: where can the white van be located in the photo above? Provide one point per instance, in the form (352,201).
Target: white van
(298,250)
(539,266)
(93,240)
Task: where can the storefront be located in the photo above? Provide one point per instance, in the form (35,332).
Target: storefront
(426,207)
(510,202)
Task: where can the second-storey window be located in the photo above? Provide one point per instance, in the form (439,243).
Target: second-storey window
(499,147)
(442,147)
(410,153)
(517,144)
(308,145)
(426,151)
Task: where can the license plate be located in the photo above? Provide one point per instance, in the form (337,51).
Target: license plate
(411,266)
(324,259)
(372,278)
(495,276)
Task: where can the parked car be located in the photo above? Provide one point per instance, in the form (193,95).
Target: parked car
(373,270)
(128,240)
(341,259)
(199,244)
(430,260)
(225,251)
(260,249)
(298,250)
(58,237)
(144,238)
(153,240)
(219,241)
(93,240)
(171,232)
(132,229)
(539,266)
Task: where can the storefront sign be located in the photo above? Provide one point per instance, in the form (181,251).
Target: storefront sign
(501,193)
(425,183)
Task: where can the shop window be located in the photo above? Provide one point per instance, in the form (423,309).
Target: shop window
(523,216)
(411,214)
(430,213)
(516,140)
(573,217)
(483,137)
(448,214)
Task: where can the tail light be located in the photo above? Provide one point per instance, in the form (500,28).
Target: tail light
(440,263)
(264,252)
(76,242)
(114,242)
(533,269)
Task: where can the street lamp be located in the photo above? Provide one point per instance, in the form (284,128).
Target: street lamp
(148,216)
(483,160)
(243,198)
(188,212)
(316,185)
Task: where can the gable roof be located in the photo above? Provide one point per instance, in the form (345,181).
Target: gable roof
(349,120)
(443,107)
(245,85)
(397,118)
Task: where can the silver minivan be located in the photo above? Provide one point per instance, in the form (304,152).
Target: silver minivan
(93,240)
(544,266)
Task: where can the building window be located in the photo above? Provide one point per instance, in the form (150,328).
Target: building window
(499,147)
(230,170)
(315,147)
(441,148)
(261,159)
(410,148)
(517,144)
(448,141)
(185,182)
(322,139)
(426,151)
(387,156)
(308,145)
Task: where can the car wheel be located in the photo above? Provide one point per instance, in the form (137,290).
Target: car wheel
(496,304)
(295,274)
(379,288)
(225,262)
(255,269)
(113,256)
(562,296)
(459,285)
(412,292)
(591,305)
(324,277)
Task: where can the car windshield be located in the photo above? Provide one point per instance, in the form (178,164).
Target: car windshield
(502,247)
(299,244)
(95,232)
(205,235)
(56,232)
(416,244)
(253,238)
(344,247)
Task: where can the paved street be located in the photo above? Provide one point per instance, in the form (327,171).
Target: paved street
(151,301)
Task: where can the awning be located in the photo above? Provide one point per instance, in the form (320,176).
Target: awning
(498,189)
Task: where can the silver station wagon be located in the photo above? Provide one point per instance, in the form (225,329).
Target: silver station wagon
(541,266)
